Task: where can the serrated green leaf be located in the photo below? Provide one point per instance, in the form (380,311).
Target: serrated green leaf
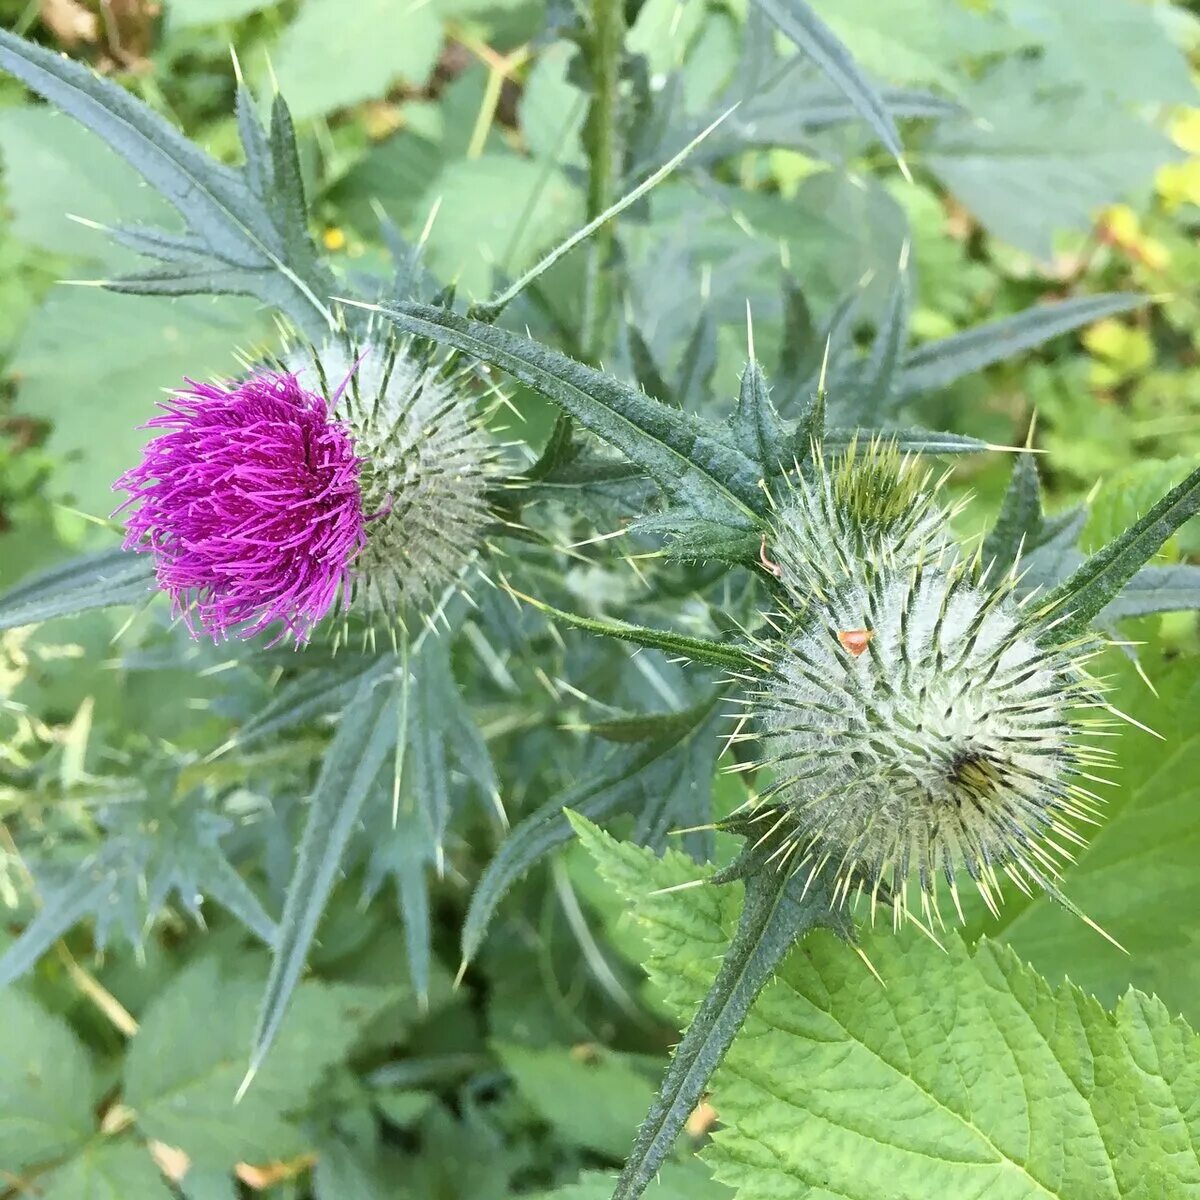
(797,21)
(978,1072)
(91,581)
(47,1086)
(184,1064)
(238,230)
(334,55)
(1102,576)
(365,737)
(107,1171)
(620,781)
(687,457)
(914,441)
(938,364)
(1157,590)
(779,908)
(757,425)
(1137,877)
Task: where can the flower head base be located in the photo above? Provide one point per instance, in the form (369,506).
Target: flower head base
(427,463)
(917,723)
(249,498)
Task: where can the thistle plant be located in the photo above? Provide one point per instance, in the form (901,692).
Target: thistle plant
(914,715)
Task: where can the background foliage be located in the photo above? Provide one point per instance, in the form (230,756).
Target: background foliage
(1056,155)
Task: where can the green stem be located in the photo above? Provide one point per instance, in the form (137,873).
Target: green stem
(602,141)
(778,911)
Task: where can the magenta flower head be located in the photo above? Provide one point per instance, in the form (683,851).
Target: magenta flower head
(351,477)
(249,499)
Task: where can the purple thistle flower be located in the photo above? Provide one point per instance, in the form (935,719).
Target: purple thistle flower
(250,502)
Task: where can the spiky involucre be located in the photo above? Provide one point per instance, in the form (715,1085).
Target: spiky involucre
(917,725)
(427,462)
(870,504)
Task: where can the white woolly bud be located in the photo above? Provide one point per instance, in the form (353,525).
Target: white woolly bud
(914,723)
(427,464)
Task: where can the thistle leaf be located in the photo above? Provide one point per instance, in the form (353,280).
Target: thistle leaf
(365,737)
(714,654)
(1020,518)
(618,783)
(248,241)
(875,384)
(757,425)
(1101,577)
(797,21)
(689,458)
(915,441)
(938,364)
(101,580)
(1157,590)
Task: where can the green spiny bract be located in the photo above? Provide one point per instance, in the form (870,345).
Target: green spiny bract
(427,464)
(917,720)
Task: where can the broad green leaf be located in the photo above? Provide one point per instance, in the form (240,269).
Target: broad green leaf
(100,580)
(814,38)
(688,458)
(1102,576)
(334,54)
(1036,161)
(107,1170)
(938,364)
(629,775)
(185,14)
(592,1101)
(184,1064)
(247,236)
(47,1086)
(137,347)
(1137,877)
(366,736)
(978,1072)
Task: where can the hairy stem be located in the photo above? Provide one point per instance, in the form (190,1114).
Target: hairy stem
(778,911)
(601,139)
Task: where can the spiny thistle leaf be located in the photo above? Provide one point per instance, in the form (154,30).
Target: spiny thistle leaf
(1020,519)
(702,650)
(941,1047)
(624,779)
(1100,579)
(1157,590)
(797,21)
(101,580)
(938,364)
(690,459)
(366,735)
(247,230)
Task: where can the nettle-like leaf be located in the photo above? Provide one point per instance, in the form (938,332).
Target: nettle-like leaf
(183,1066)
(979,1072)
(246,228)
(661,769)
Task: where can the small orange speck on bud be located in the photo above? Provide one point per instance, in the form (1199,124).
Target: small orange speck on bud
(855,640)
(334,239)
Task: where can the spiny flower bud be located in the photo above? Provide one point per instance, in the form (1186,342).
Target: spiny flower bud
(916,722)
(427,462)
(871,504)
(352,474)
